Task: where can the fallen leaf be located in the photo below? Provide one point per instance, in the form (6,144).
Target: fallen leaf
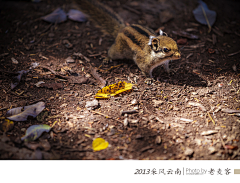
(57,16)
(203,15)
(35,131)
(114,89)
(99,144)
(16,114)
(6,125)
(77,15)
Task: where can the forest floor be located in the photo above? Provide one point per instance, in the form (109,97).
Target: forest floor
(185,114)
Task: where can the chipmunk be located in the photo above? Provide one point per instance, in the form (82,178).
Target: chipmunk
(133,42)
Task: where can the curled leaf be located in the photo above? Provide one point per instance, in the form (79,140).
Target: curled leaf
(22,113)
(35,131)
(57,16)
(114,89)
(77,15)
(203,15)
(99,144)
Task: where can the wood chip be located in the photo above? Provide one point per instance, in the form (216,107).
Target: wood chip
(209,132)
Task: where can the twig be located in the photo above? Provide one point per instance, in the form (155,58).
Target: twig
(211,118)
(99,79)
(128,112)
(106,116)
(231,54)
(222,141)
(52,71)
(4,108)
(209,26)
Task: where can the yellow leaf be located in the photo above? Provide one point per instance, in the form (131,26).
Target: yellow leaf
(114,89)
(99,144)
(7,125)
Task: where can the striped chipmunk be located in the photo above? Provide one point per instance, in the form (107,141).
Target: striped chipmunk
(133,42)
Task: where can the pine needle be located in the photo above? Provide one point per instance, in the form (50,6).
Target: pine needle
(209,26)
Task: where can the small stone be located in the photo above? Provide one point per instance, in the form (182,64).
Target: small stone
(179,140)
(125,122)
(175,108)
(139,136)
(14,61)
(87,75)
(136,108)
(198,141)
(158,140)
(69,60)
(90,105)
(134,102)
(157,103)
(63,105)
(212,150)
(224,136)
(188,151)
(134,121)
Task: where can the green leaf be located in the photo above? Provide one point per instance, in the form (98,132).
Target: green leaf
(35,131)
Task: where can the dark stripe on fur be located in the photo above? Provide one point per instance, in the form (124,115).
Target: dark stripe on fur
(141,31)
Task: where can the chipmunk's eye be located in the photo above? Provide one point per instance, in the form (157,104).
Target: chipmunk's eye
(166,50)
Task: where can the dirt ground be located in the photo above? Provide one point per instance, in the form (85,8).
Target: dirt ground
(181,115)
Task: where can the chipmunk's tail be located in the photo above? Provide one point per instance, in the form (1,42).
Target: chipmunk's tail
(102,15)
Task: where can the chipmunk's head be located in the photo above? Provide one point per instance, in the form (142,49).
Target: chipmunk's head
(163,49)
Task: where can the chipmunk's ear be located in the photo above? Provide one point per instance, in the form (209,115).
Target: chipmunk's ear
(154,43)
(161,33)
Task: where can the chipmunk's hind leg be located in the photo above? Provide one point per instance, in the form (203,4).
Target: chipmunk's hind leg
(120,49)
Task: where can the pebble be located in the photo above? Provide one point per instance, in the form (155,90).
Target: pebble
(158,140)
(90,105)
(135,121)
(136,108)
(188,151)
(179,140)
(134,102)
(157,103)
(69,60)
(14,61)
(198,141)
(212,150)
(125,122)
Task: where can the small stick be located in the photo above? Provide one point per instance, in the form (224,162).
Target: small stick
(222,142)
(128,112)
(106,116)
(211,118)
